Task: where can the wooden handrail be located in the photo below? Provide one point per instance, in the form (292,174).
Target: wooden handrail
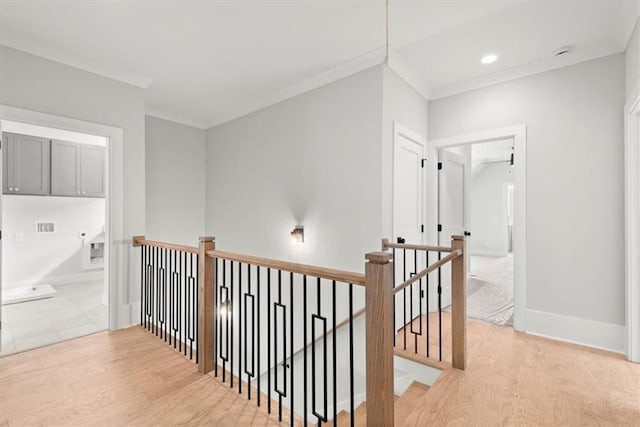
(386,244)
(292,267)
(433,267)
(141,241)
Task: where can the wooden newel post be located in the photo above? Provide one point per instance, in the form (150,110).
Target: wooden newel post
(206,289)
(379,312)
(459,304)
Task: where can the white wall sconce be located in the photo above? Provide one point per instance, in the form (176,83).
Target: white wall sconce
(297,234)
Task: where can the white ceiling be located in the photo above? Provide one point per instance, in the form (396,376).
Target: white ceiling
(206,62)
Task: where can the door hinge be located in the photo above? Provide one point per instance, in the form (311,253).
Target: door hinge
(439,165)
(422,228)
(439,227)
(422,162)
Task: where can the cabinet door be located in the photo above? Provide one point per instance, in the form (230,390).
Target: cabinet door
(28,165)
(7,180)
(92,168)
(65,168)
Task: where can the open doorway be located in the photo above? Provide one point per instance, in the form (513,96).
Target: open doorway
(54,253)
(481,194)
(490,285)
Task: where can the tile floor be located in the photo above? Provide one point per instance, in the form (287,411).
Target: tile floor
(74,311)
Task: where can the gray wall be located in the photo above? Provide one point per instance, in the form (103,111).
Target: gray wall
(175,177)
(37,84)
(632,62)
(312,160)
(575,228)
(489,219)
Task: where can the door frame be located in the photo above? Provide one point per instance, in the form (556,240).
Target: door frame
(114,191)
(400,130)
(632,224)
(519,135)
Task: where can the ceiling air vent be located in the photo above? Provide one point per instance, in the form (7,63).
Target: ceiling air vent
(562,50)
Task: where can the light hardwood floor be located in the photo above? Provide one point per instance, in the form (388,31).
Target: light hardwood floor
(518,379)
(126,377)
(129,377)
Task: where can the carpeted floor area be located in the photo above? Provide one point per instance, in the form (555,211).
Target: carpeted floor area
(490,289)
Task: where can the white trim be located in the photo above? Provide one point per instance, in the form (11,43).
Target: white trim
(529,69)
(632,224)
(606,336)
(519,135)
(117,249)
(17,42)
(361,63)
(91,276)
(482,252)
(167,116)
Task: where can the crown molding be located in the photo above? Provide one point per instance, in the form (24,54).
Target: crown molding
(22,44)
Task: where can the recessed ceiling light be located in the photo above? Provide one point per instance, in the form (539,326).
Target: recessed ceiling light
(489,59)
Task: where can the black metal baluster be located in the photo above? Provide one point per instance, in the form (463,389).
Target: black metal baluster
(155,291)
(291,299)
(395,326)
(257,326)
(284,366)
(164,295)
(427,302)
(181,275)
(269,333)
(170,294)
(404,295)
(224,307)
(240,328)
(439,309)
(351,379)
(314,318)
(216,321)
(230,313)
(185,324)
(335,351)
(249,298)
(197,305)
(141,280)
(304,341)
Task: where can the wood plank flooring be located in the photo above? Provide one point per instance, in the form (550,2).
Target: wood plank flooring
(519,379)
(128,377)
(116,378)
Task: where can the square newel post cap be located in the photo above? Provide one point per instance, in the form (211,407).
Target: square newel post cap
(457,237)
(207,238)
(378,257)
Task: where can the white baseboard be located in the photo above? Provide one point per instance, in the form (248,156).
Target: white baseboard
(90,276)
(481,252)
(590,333)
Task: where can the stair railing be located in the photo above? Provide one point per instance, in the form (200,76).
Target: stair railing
(235,310)
(409,285)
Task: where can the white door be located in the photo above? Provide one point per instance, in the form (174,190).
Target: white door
(408,218)
(453,207)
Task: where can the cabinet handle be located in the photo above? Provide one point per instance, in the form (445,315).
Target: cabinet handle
(17,189)
(83,192)
(10,189)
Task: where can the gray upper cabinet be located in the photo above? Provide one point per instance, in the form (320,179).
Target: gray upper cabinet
(77,169)
(26,166)
(92,170)
(65,168)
